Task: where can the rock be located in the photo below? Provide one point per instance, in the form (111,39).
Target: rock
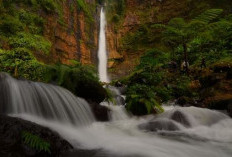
(179,117)
(100,112)
(184,101)
(83,86)
(219,101)
(12,143)
(122,89)
(229,109)
(229,74)
(120,100)
(161,124)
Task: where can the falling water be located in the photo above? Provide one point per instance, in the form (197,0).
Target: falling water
(198,132)
(43,100)
(102,53)
(208,133)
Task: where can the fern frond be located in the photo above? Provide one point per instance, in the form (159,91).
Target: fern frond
(35,142)
(158,26)
(209,15)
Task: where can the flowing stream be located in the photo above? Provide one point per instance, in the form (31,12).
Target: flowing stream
(178,132)
(207,133)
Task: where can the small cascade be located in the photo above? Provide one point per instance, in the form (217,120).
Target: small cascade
(193,116)
(102,52)
(43,100)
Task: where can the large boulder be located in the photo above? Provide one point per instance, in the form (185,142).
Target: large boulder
(100,112)
(13,144)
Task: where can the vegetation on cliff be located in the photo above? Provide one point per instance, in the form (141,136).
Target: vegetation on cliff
(169,35)
(204,43)
(25,48)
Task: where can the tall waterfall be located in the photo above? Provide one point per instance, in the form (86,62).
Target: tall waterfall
(102,52)
(43,100)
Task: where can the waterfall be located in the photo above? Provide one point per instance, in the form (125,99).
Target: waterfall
(183,132)
(43,100)
(102,53)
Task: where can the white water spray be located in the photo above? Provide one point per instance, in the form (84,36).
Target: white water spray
(102,53)
(208,133)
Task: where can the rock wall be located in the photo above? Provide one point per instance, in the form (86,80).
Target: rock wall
(75,37)
(138,13)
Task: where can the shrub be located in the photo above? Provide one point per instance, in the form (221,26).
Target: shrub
(141,100)
(30,41)
(80,80)
(9,25)
(21,63)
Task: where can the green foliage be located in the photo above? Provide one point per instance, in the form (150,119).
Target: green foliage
(9,25)
(30,41)
(47,5)
(34,23)
(20,62)
(209,15)
(141,100)
(81,5)
(153,58)
(81,80)
(36,142)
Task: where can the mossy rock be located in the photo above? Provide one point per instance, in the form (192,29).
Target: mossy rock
(83,85)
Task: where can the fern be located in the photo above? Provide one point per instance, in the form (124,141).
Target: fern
(209,15)
(36,142)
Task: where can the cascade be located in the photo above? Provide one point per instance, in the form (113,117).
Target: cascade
(43,100)
(182,132)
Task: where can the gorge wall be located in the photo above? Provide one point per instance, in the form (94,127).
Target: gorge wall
(76,37)
(69,27)
(125,45)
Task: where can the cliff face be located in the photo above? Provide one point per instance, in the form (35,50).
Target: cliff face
(139,16)
(136,14)
(74,38)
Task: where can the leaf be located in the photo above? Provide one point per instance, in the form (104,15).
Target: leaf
(209,15)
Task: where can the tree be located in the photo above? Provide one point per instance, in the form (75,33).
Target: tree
(179,33)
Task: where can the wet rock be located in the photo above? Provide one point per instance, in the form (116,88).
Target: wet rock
(229,109)
(120,100)
(162,124)
(179,117)
(122,90)
(100,112)
(12,143)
